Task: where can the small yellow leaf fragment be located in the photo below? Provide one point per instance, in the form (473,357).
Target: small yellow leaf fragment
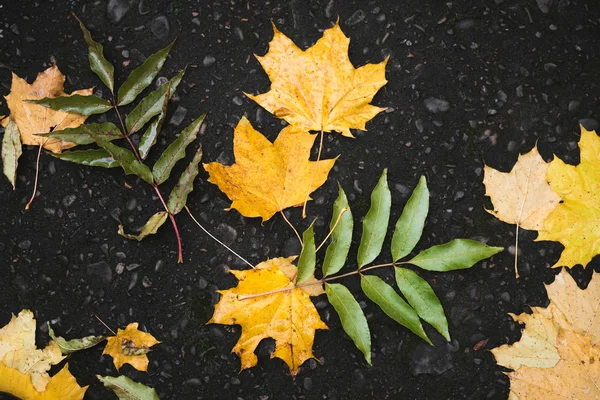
(130,346)
(33,118)
(575,223)
(288,316)
(62,386)
(319,88)
(558,353)
(522,196)
(269,177)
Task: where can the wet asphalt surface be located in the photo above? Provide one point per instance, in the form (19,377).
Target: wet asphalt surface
(468,84)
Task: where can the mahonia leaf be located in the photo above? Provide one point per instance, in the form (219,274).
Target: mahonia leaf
(126,389)
(98,63)
(150,228)
(11,151)
(73,345)
(185,185)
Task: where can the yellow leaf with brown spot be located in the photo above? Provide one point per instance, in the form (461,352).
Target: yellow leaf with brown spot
(62,386)
(269,177)
(18,350)
(319,88)
(575,222)
(130,346)
(286,314)
(558,355)
(33,118)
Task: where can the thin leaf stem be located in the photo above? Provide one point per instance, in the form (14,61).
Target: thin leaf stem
(102,322)
(332,229)
(37,173)
(314,173)
(292,226)
(124,131)
(217,240)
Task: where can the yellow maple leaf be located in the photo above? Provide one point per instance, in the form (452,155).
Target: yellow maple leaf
(18,350)
(288,316)
(62,386)
(33,118)
(269,177)
(130,346)
(319,88)
(557,355)
(575,223)
(521,196)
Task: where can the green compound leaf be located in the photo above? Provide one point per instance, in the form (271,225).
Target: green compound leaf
(92,158)
(150,228)
(308,256)
(73,345)
(82,134)
(410,224)
(422,298)
(456,254)
(176,151)
(392,304)
(152,105)
(179,194)
(126,160)
(76,103)
(352,318)
(98,63)
(375,223)
(11,151)
(142,76)
(127,389)
(341,236)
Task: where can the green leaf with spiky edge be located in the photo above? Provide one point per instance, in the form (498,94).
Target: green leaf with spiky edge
(176,151)
(11,151)
(341,235)
(392,304)
(98,63)
(456,254)
(142,76)
(92,158)
(152,105)
(81,135)
(150,228)
(127,389)
(375,223)
(352,318)
(76,103)
(179,194)
(73,345)
(126,160)
(308,256)
(422,298)
(411,223)
(149,137)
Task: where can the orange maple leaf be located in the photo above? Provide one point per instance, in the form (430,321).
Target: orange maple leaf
(130,346)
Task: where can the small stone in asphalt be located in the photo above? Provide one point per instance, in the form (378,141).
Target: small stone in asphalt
(160,27)
(116,10)
(435,105)
(178,116)
(100,272)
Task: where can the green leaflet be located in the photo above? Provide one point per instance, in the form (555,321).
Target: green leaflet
(82,134)
(150,228)
(126,160)
(149,137)
(92,157)
(410,224)
(73,345)
(142,76)
(98,63)
(421,297)
(308,256)
(11,151)
(375,223)
(456,254)
(392,304)
(127,389)
(76,103)
(185,185)
(352,318)
(341,236)
(176,151)
(152,104)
